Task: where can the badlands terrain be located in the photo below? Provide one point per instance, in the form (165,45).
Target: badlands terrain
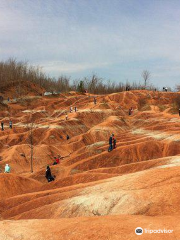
(96,194)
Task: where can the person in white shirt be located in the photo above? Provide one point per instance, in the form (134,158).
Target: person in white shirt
(7,168)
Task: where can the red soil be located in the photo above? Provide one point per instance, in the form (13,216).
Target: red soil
(139,181)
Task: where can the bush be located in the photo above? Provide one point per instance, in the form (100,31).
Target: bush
(141,103)
(162,108)
(177,102)
(80,87)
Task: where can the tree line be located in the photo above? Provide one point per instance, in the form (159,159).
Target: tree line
(14,73)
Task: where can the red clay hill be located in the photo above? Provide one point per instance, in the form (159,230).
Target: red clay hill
(96,194)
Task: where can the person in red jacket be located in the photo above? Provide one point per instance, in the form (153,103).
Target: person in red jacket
(56,160)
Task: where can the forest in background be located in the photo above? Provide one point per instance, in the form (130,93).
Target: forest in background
(13,73)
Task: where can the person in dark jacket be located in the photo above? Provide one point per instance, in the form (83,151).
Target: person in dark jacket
(2,126)
(114,143)
(10,124)
(111,143)
(127,88)
(49,176)
(55,161)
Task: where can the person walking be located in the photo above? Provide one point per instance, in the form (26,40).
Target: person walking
(111,143)
(48,175)
(54,163)
(2,126)
(127,88)
(10,124)
(114,143)
(7,168)
(56,160)
(131,110)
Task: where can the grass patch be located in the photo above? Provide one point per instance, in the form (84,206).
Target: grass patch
(52,96)
(3,106)
(146,108)
(52,136)
(174,109)
(162,108)
(142,102)
(75,171)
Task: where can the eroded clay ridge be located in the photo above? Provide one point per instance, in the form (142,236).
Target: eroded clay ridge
(94,187)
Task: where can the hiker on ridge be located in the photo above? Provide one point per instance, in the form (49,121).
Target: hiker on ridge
(114,143)
(48,175)
(111,143)
(10,124)
(165,89)
(55,162)
(7,168)
(131,110)
(127,88)
(2,126)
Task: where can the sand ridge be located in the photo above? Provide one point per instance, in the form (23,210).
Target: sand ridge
(140,179)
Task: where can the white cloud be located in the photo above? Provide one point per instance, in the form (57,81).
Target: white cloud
(78,36)
(66,67)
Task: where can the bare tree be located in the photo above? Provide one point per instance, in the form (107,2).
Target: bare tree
(146,76)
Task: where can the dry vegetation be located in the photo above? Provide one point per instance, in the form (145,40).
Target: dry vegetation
(142,103)
(175,105)
(14,73)
(177,102)
(162,108)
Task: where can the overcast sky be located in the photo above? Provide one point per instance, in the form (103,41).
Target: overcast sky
(116,39)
